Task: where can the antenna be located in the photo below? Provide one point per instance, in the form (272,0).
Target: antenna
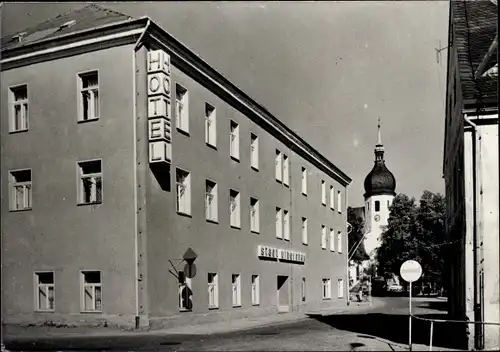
(438,51)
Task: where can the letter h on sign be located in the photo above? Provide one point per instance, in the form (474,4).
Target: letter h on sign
(159,117)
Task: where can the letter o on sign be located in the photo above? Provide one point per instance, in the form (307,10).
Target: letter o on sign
(410,271)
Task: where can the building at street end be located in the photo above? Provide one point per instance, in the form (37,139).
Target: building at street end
(380,187)
(142,188)
(470,169)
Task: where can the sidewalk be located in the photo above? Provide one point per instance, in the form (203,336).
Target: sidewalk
(27,333)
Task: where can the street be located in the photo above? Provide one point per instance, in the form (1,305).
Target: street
(384,328)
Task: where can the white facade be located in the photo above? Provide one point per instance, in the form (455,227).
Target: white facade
(377,216)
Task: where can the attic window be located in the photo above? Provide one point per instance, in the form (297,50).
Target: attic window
(68,24)
(19,37)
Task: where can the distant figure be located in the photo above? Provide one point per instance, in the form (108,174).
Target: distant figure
(360,293)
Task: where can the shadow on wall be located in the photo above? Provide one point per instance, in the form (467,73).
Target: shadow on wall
(394,328)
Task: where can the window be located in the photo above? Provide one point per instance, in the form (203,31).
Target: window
(279,223)
(388,204)
(20,190)
(304,181)
(286,225)
(326,289)
(210,125)
(19,112)
(234,208)
(303,289)
(181,108)
(304,230)
(323,237)
(377,205)
(183,188)
(90,173)
(255,290)
(286,167)
(254,151)
(44,294)
(254,215)
(340,288)
(236,287)
(332,198)
(185,292)
(92,291)
(332,240)
(213,291)
(339,201)
(211,202)
(339,242)
(235,140)
(323,192)
(89,95)
(278,165)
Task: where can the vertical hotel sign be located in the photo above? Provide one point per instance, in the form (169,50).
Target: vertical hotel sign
(159,116)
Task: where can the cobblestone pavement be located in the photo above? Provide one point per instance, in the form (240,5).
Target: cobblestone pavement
(382,327)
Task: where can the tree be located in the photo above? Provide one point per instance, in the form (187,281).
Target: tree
(356,235)
(414,232)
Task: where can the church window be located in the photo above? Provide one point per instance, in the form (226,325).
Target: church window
(377,205)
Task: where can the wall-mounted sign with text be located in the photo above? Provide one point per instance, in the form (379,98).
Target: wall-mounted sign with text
(159,117)
(280,254)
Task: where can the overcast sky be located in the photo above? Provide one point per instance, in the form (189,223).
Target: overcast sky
(327,69)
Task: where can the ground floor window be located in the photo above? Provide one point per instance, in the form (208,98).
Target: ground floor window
(92,291)
(213,291)
(255,290)
(340,288)
(326,289)
(44,292)
(185,292)
(236,288)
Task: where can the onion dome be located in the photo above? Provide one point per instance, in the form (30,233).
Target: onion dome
(380,180)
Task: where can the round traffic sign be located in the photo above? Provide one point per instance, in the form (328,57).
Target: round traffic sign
(190,270)
(410,271)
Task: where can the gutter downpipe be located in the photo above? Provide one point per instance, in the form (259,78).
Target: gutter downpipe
(134,124)
(348,293)
(476,145)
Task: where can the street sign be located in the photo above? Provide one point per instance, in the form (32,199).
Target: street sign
(410,271)
(190,270)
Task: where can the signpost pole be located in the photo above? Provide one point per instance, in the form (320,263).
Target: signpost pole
(409,340)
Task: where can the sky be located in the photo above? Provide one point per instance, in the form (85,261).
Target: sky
(326,69)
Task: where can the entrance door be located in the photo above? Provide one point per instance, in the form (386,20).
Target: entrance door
(283,293)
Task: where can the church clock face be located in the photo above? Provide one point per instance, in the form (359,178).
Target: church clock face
(376,218)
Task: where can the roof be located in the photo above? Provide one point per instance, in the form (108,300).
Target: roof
(475,26)
(86,18)
(93,21)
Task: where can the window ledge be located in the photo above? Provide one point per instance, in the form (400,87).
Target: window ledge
(19,210)
(255,304)
(305,244)
(88,120)
(213,221)
(44,310)
(237,159)
(213,308)
(185,310)
(91,312)
(19,131)
(238,306)
(91,203)
(326,298)
(256,169)
(287,239)
(184,132)
(279,238)
(235,227)
(286,185)
(255,232)
(184,214)
(279,181)
(214,147)
(304,194)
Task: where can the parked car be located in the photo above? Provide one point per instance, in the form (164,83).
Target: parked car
(394,288)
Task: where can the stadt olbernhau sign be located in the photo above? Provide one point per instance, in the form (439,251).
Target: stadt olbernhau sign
(280,254)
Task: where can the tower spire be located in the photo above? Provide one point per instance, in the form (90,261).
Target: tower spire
(379,147)
(379,142)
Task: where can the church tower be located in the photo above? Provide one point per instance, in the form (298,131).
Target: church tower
(380,186)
